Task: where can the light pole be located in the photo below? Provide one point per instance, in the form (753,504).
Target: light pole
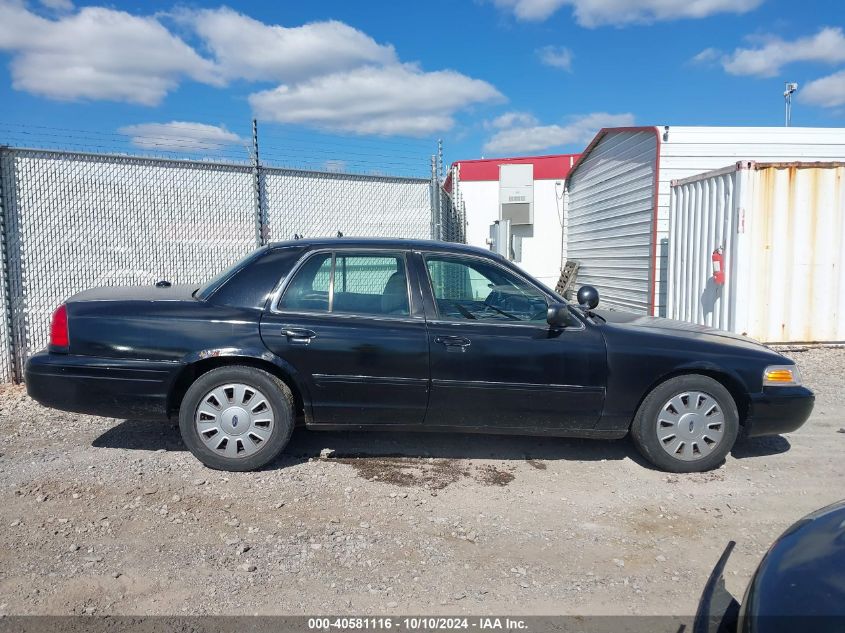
(791,88)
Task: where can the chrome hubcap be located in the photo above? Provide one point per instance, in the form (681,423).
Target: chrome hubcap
(234,420)
(690,425)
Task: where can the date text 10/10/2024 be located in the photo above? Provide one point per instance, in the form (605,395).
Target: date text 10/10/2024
(416,623)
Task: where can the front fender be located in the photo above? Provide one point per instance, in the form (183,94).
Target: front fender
(637,363)
(709,367)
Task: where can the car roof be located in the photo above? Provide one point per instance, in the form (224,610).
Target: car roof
(380,242)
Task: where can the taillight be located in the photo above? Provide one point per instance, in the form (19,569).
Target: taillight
(58,328)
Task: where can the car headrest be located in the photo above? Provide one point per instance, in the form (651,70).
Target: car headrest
(394,299)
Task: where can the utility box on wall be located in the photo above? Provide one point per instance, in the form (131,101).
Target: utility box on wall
(500,238)
(516,194)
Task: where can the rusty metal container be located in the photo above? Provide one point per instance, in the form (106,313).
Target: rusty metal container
(781,231)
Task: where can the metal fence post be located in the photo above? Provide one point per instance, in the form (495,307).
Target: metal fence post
(261,228)
(441,210)
(440,159)
(461,216)
(463,239)
(435,199)
(10,362)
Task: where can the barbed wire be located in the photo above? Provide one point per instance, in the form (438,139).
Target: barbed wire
(287,148)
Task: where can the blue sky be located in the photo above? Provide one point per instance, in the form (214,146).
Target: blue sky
(370,86)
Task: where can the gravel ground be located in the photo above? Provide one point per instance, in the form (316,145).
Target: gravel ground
(115,517)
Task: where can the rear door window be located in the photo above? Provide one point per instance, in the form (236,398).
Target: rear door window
(350,283)
(370,284)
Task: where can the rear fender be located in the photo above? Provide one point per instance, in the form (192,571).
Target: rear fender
(250,355)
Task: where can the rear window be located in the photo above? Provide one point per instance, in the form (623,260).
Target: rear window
(250,282)
(208,288)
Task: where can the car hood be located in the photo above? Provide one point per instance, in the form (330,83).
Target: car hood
(182,292)
(682,329)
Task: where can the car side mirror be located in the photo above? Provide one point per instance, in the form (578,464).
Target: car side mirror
(557,315)
(588,297)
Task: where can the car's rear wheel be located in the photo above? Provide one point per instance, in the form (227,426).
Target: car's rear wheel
(687,424)
(236,418)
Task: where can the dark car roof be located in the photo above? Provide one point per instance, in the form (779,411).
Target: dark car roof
(380,242)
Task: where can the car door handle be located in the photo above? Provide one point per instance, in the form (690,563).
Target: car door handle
(299,336)
(453,343)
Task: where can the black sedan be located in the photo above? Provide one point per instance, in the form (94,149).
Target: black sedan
(408,336)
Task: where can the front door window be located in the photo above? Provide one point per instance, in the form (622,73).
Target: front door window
(474,290)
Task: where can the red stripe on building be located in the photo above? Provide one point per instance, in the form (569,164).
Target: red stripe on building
(553,167)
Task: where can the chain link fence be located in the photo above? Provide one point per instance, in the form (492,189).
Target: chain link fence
(453,210)
(72,221)
(324,203)
(448,213)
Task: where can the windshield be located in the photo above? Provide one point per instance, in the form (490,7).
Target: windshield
(208,288)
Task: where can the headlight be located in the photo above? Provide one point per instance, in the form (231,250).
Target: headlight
(781,376)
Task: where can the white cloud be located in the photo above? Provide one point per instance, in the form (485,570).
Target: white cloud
(707,56)
(180,136)
(531,138)
(332,76)
(512,119)
(531,10)
(97,53)
(826,46)
(397,99)
(249,49)
(556,56)
(828,91)
(592,13)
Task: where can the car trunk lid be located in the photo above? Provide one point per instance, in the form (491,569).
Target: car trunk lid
(181,292)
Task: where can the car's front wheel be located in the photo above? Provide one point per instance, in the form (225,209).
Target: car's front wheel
(687,424)
(236,418)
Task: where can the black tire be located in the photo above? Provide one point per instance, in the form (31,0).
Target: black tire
(278,396)
(644,429)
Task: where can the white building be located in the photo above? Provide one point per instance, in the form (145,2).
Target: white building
(529,192)
(619,190)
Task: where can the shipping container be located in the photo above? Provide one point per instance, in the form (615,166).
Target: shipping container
(618,197)
(780,231)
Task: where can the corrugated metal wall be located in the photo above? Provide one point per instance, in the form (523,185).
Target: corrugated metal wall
(783,229)
(609,211)
(795,250)
(704,213)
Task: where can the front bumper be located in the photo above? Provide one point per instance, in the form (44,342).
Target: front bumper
(779,410)
(108,387)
